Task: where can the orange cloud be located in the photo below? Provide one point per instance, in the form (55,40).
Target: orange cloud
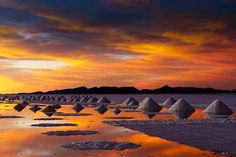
(122,45)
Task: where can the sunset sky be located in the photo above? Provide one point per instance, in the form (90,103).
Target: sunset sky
(56,44)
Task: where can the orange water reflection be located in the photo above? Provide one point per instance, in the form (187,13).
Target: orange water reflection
(17,138)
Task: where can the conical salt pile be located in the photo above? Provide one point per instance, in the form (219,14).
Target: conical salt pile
(25,103)
(169,102)
(101,109)
(103,100)
(129,100)
(84,99)
(77,107)
(75,100)
(149,105)
(116,110)
(35,108)
(64,100)
(144,100)
(133,103)
(217,107)
(182,109)
(92,100)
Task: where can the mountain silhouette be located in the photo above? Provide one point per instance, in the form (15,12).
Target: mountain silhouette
(133,90)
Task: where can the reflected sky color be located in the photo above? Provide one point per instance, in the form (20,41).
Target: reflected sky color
(146,44)
(19,139)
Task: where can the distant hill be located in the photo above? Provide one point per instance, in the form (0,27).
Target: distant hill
(133,90)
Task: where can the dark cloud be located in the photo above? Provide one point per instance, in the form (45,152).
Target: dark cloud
(143,43)
(99,22)
(14,17)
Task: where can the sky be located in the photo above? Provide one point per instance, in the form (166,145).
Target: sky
(56,44)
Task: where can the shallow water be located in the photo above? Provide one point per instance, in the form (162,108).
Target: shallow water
(18,138)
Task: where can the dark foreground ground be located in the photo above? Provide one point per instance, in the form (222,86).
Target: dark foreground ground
(218,137)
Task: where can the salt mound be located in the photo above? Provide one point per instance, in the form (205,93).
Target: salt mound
(130,100)
(84,99)
(133,103)
(149,105)
(116,110)
(217,107)
(182,109)
(169,102)
(103,100)
(92,100)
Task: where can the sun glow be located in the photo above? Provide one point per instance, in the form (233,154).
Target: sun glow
(39,64)
(8,85)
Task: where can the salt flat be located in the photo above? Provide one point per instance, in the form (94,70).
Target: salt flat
(216,136)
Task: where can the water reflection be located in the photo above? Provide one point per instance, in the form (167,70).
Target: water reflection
(35,108)
(19,134)
(19,107)
(49,114)
(150,115)
(215,116)
(77,107)
(101,109)
(181,114)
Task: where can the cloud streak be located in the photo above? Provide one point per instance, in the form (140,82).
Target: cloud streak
(145,44)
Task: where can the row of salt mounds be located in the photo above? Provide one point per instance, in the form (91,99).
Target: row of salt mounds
(94,100)
(48,98)
(182,109)
(217,107)
(48,110)
(149,105)
(63,99)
